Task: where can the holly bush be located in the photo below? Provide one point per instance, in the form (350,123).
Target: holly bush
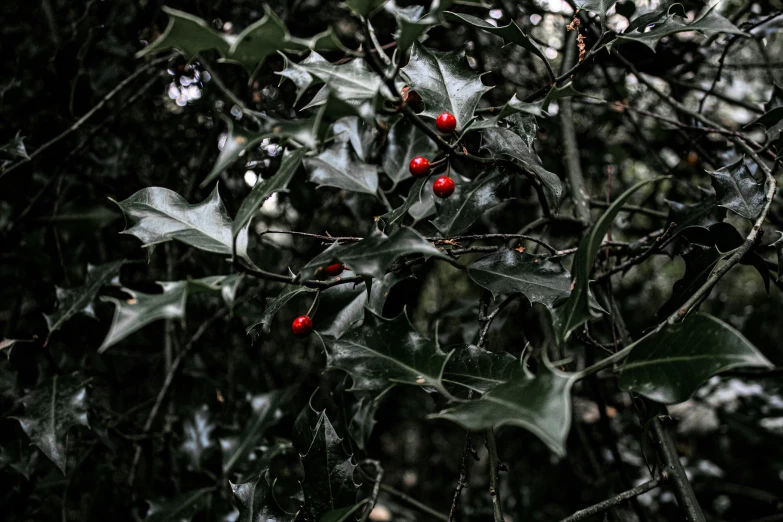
(391,261)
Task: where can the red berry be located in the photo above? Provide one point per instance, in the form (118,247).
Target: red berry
(419,167)
(443,187)
(446,123)
(302,326)
(335,269)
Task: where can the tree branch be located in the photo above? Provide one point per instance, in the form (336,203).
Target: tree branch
(607,504)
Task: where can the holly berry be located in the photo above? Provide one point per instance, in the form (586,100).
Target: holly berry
(443,187)
(335,269)
(446,123)
(419,167)
(302,326)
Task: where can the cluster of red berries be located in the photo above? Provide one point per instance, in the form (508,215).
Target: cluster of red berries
(419,166)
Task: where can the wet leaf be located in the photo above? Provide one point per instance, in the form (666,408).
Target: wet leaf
(738,191)
(157,215)
(510,33)
(412,23)
(72,301)
(445,82)
(670,365)
(541,405)
(538,278)
(328,483)
(576,310)
(372,256)
(263,189)
(383,351)
(142,309)
(339,167)
(50,411)
(707,24)
(470,201)
(256,502)
(479,369)
(394,219)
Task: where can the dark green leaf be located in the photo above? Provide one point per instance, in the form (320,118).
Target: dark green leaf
(157,215)
(445,82)
(256,502)
(189,35)
(238,142)
(180,508)
(597,6)
(142,309)
(510,33)
(353,81)
(507,271)
(470,201)
(72,301)
(265,188)
(363,420)
(50,411)
(670,365)
(772,119)
(404,142)
(340,307)
(479,369)
(339,167)
(738,191)
(699,262)
(358,133)
(15,148)
(555,93)
(701,214)
(380,291)
(198,438)
(364,7)
(512,106)
(274,304)
(392,220)
(541,405)
(577,310)
(411,24)
(298,73)
(641,22)
(266,413)
(372,256)
(708,24)
(328,483)
(383,351)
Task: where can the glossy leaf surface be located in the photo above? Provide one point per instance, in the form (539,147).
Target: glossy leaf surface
(470,202)
(738,191)
(479,369)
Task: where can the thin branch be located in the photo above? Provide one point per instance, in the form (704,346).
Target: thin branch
(607,504)
(683,490)
(78,123)
(634,209)
(655,247)
(487,321)
(415,503)
(494,487)
(463,473)
(376,489)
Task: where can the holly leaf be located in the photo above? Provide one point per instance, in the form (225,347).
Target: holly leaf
(142,309)
(738,191)
(180,508)
(382,351)
(15,148)
(701,214)
(555,93)
(700,260)
(707,24)
(512,106)
(576,310)
(72,301)
(479,369)
(157,215)
(404,142)
(339,167)
(256,502)
(263,189)
(274,304)
(372,256)
(670,365)
(392,220)
(353,81)
(540,404)
(445,82)
(364,7)
(340,307)
(298,73)
(363,420)
(510,33)
(517,143)
(470,201)
(596,6)
(379,292)
(411,24)
(538,278)
(50,411)
(198,436)
(188,34)
(266,413)
(772,119)
(328,484)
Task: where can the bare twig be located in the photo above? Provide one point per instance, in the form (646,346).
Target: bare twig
(494,487)
(607,504)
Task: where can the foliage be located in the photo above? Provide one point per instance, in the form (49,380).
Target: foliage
(150,372)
